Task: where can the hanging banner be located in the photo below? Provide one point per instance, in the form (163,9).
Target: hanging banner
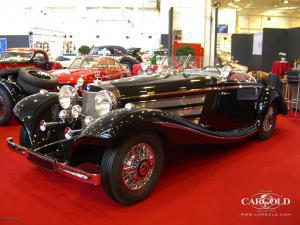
(257,44)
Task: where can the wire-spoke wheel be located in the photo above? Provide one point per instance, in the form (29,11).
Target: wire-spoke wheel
(268,123)
(130,171)
(138,166)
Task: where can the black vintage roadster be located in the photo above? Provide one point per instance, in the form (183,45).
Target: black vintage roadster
(123,126)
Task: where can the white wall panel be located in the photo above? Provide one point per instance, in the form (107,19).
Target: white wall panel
(255,24)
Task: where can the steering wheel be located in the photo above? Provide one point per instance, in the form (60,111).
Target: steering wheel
(211,68)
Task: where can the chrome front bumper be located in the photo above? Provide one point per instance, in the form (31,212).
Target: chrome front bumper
(53,165)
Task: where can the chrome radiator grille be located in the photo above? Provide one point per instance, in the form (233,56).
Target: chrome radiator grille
(88,104)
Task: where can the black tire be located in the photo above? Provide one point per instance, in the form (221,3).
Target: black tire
(6,107)
(32,80)
(24,138)
(9,71)
(112,166)
(28,88)
(268,123)
(127,63)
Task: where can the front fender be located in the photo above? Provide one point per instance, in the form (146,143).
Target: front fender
(109,129)
(278,99)
(12,89)
(115,127)
(31,109)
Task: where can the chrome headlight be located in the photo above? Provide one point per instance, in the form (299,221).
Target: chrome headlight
(105,101)
(76,111)
(67,96)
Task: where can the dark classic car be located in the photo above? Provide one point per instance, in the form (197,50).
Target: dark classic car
(22,57)
(121,127)
(119,53)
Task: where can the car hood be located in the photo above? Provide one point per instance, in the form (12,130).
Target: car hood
(140,87)
(70,76)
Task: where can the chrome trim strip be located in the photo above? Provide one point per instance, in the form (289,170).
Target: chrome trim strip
(16,147)
(169,102)
(78,174)
(189,111)
(73,172)
(171,125)
(192,91)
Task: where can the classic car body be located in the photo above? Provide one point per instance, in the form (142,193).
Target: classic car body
(122,126)
(22,57)
(119,53)
(89,68)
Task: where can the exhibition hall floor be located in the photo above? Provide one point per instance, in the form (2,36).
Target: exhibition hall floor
(199,185)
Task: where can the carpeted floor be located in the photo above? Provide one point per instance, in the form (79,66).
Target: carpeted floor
(199,185)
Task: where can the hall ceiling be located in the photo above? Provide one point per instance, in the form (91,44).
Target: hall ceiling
(263,7)
(85,3)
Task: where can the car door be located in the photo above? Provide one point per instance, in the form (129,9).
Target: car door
(234,106)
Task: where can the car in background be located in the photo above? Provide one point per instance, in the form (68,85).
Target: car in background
(18,83)
(157,53)
(23,57)
(85,69)
(122,127)
(118,52)
(65,59)
(136,53)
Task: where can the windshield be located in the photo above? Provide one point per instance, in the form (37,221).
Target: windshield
(94,63)
(179,63)
(170,66)
(17,56)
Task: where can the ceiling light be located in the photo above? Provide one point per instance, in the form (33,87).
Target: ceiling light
(285,1)
(237,0)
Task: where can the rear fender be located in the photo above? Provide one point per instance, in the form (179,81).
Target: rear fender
(273,96)
(277,98)
(112,128)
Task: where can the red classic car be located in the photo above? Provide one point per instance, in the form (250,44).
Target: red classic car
(85,69)
(21,57)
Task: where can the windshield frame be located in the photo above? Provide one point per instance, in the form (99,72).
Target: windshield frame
(12,58)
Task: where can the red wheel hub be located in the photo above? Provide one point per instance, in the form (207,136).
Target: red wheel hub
(143,168)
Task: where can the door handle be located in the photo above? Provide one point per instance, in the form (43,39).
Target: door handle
(224,93)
